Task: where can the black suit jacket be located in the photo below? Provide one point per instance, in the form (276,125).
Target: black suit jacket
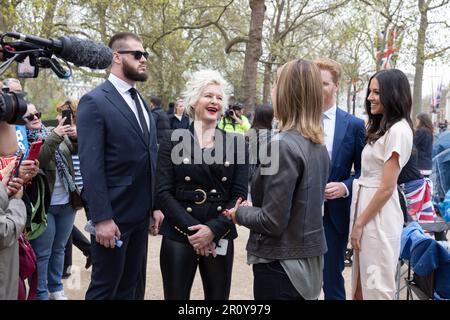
(182,172)
(117,166)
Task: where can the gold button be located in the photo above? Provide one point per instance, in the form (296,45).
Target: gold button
(224,179)
(213,191)
(219,208)
(187,178)
(227,164)
(186,160)
(189,209)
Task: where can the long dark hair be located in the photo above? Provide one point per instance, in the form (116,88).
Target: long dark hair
(425,122)
(263,117)
(395,96)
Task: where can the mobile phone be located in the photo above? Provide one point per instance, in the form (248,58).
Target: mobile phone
(17,162)
(33,152)
(67,113)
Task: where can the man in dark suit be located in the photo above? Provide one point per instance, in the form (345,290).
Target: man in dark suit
(161,120)
(118,153)
(344,139)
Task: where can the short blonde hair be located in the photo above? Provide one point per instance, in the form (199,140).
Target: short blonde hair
(332,66)
(299,99)
(198,83)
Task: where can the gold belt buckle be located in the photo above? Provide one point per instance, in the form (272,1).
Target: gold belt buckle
(204,196)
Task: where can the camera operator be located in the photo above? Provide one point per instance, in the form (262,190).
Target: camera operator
(28,168)
(13,85)
(12,217)
(234,120)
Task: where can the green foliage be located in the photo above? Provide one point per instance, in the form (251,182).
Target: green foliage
(186,35)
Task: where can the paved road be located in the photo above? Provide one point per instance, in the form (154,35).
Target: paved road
(242,279)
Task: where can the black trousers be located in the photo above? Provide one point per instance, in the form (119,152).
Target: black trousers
(116,273)
(179,263)
(272,283)
(78,239)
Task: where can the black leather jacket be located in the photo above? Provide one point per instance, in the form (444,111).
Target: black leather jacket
(193,192)
(286,217)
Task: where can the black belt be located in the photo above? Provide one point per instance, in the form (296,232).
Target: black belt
(199,196)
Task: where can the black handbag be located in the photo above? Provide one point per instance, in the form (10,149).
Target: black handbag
(75,199)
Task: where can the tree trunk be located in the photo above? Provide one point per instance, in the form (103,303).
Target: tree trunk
(267,82)
(420,57)
(267,88)
(253,52)
(349,98)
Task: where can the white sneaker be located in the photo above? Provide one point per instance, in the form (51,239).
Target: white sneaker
(57,295)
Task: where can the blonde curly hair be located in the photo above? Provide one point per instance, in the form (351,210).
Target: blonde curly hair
(197,84)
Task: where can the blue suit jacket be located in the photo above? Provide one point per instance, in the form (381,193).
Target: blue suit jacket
(348,143)
(117,166)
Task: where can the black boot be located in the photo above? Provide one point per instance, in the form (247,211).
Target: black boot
(88,261)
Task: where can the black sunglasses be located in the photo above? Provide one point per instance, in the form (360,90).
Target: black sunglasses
(31,116)
(136,53)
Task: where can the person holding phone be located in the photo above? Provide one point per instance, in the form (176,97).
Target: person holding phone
(68,110)
(12,218)
(55,158)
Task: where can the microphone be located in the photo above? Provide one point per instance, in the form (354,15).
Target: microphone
(82,53)
(85,53)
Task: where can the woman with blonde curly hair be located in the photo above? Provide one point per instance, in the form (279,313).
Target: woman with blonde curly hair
(201,172)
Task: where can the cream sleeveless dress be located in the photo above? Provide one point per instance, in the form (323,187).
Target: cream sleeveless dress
(380,242)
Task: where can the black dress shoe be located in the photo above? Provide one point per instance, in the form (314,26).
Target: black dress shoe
(88,262)
(67,272)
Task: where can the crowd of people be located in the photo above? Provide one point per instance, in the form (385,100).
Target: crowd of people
(304,176)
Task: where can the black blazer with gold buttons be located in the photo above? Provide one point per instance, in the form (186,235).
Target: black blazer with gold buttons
(194,186)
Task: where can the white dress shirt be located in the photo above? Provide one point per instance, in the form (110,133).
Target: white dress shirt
(329,125)
(123,88)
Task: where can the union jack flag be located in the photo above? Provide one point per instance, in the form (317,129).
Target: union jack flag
(437,99)
(418,195)
(386,58)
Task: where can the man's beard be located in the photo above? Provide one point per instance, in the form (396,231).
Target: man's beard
(133,74)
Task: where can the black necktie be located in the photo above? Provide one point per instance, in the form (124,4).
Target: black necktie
(144,126)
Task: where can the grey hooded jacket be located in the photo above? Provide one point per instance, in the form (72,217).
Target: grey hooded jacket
(13,217)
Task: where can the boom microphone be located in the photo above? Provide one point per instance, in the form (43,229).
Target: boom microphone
(85,53)
(82,53)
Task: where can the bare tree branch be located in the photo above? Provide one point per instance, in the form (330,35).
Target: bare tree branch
(189,27)
(437,54)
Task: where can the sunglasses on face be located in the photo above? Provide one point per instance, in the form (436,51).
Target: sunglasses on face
(136,53)
(31,116)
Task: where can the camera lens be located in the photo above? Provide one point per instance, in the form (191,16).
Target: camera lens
(12,108)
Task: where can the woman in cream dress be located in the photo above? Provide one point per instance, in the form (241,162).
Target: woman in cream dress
(376,217)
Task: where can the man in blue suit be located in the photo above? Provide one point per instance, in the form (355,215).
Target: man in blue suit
(344,139)
(118,153)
